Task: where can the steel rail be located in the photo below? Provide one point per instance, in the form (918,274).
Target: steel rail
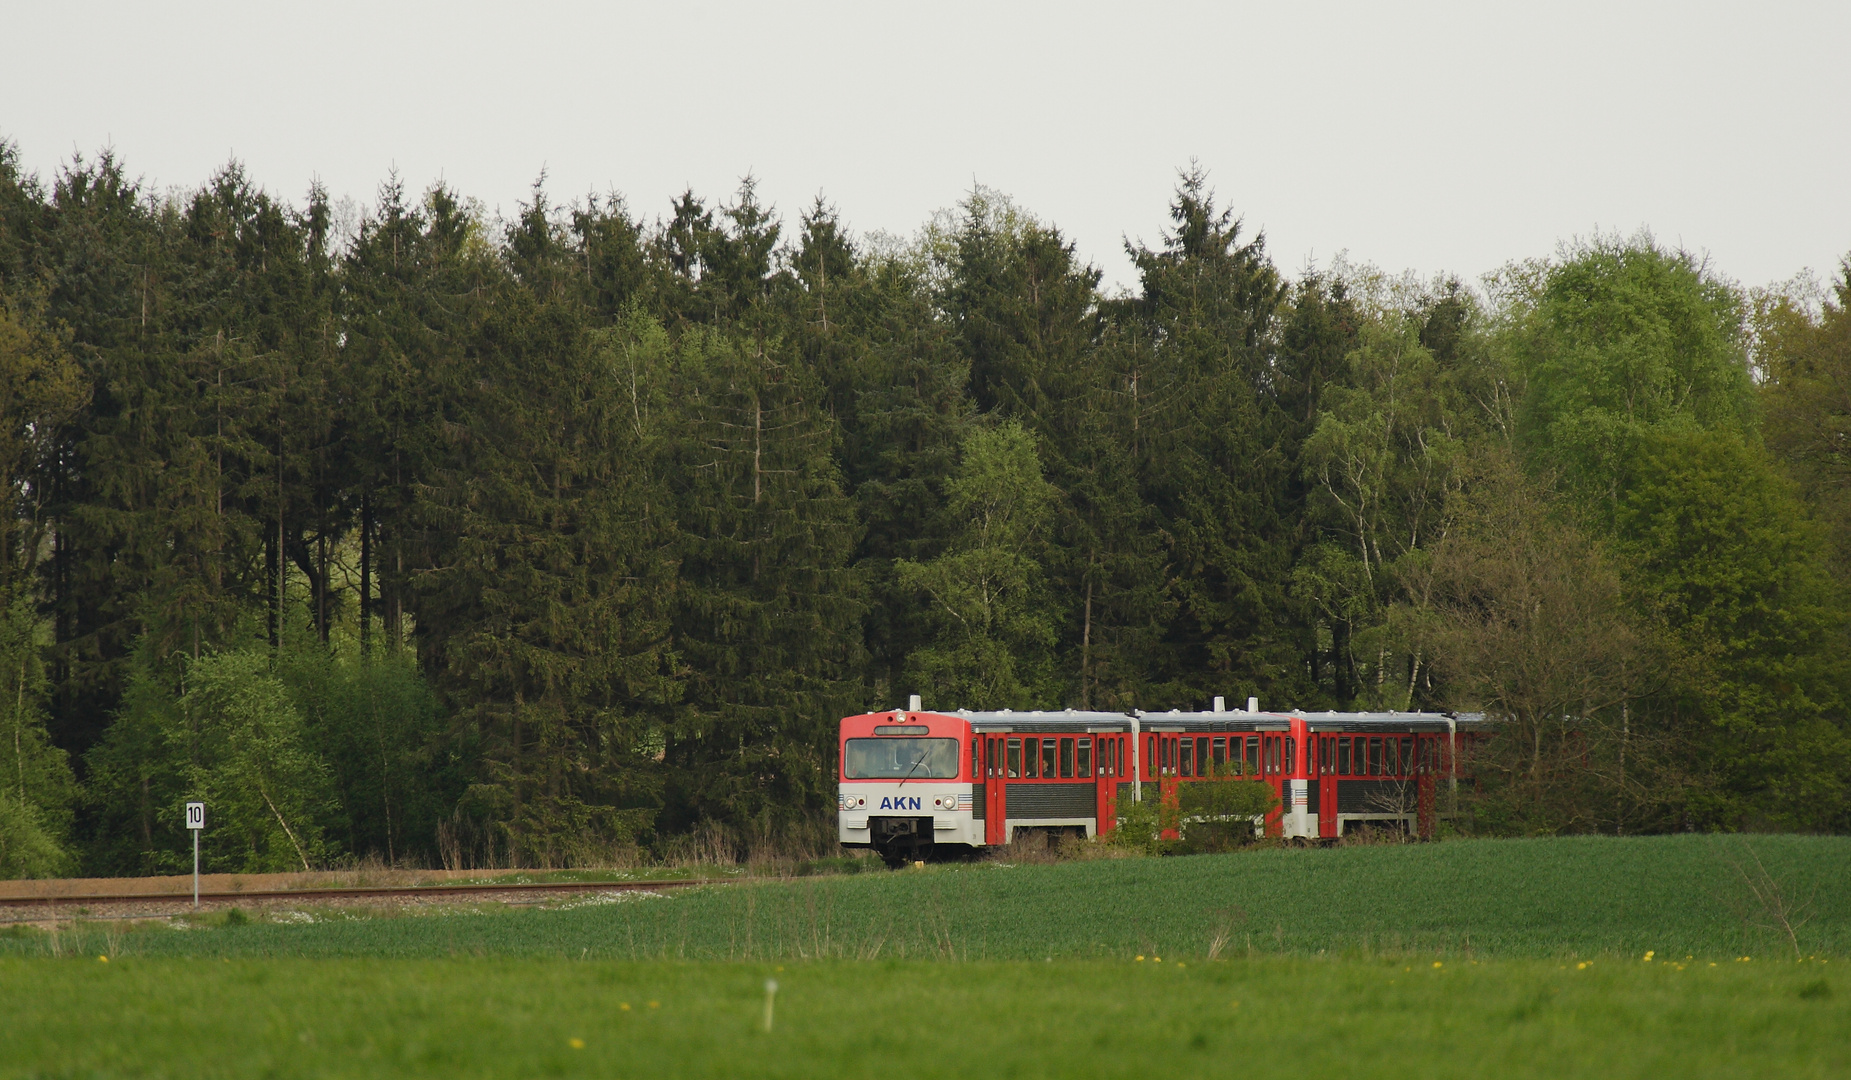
(381,892)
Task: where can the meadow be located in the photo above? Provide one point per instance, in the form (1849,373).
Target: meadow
(520,1018)
(1559,898)
(1591,957)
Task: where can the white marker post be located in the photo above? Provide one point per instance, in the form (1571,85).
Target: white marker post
(195,821)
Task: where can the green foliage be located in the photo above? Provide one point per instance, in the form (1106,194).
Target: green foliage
(27,848)
(568,532)
(1218,814)
(396,766)
(222,729)
(768,601)
(1731,569)
(247,758)
(547,602)
(35,774)
(1623,339)
(992,640)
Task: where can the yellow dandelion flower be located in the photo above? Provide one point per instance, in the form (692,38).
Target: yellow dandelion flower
(1582,966)
(1140,959)
(103,959)
(1436,963)
(655,1004)
(576,1044)
(1648,955)
(624,1005)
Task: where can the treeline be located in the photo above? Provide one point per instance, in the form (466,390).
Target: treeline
(446,538)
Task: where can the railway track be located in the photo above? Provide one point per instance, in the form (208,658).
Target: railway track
(421,892)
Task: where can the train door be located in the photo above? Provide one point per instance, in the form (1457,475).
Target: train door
(1169,750)
(1272,757)
(1326,779)
(1424,769)
(1105,776)
(995,790)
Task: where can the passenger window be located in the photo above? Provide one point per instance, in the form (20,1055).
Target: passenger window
(1188,765)
(1375,757)
(1015,758)
(1291,754)
(1407,756)
(1066,759)
(1221,754)
(1033,754)
(1392,762)
(1343,757)
(1047,759)
(1086,757)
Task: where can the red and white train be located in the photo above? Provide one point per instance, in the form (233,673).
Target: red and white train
(913,782)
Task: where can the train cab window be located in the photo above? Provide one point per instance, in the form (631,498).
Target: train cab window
(1048,750)
(900,759)
(1188,762)
(1343,757)
(1066,759)
(1085,767)
(1375,757)
(1015,758)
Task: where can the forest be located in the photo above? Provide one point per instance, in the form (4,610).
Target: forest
(424,535)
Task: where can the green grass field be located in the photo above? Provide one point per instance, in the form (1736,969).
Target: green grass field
(519,1018)
(1453,959)
(1574,898)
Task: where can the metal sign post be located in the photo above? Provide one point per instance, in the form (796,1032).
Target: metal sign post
(195,821)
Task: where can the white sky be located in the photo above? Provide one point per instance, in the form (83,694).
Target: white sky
(1432,137)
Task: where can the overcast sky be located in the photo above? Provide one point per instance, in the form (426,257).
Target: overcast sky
(1432,137)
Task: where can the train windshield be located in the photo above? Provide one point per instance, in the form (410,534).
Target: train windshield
(896,759)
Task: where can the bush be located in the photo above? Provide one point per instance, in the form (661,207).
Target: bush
(27,849)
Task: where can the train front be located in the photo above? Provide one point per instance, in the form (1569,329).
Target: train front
(905,784)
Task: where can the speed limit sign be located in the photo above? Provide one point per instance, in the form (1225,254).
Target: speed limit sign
(196,820)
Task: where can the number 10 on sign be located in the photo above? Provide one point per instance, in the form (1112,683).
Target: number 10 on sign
(195,821)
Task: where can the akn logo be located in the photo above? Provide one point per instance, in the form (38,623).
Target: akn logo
(900,802)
